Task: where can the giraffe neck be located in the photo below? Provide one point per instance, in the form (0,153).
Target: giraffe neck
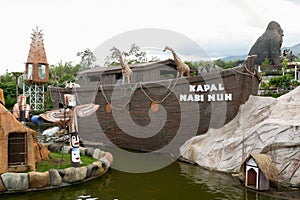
(122,63)
(176,58)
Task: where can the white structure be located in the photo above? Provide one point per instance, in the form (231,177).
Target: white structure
(259,170)
(254,177)
(35,93)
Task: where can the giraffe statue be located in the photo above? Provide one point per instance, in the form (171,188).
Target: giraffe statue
(126,71)
(182,68)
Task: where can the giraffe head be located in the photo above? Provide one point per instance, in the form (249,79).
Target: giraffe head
(113,48)
(166,48)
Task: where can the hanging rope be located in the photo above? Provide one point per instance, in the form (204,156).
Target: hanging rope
(163,99)
(112,106)
(249,73)
(92,100)
(59,94)
(141,85)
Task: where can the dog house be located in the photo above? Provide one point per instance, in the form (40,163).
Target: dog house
(37,68)
(258,170)
(19,149)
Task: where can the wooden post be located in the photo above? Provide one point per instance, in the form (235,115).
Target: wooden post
(75,151)
(70,102)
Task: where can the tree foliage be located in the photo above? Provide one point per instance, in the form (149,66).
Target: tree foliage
(8,84)
(133,56)
(87,59)
(227,64)
(62,73)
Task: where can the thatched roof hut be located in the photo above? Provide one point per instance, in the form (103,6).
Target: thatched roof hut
(265,164)
(257,170)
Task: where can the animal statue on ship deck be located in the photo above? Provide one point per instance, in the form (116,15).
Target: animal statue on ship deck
(182,68)
(126,71)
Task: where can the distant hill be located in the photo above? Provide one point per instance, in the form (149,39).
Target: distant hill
(234,58)
(295,49)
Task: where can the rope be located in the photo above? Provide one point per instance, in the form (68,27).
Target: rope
(252,73)
(112,106)
(163,99)
(249,72)
(141,86)
(52,100)
(59,94)
(93,97)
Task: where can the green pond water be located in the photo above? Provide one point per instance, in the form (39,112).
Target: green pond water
(177,181)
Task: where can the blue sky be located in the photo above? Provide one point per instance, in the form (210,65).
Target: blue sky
(220,27)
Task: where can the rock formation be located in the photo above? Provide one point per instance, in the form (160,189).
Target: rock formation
(263,125)
(268,45)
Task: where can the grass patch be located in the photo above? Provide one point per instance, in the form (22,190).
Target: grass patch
(60,161)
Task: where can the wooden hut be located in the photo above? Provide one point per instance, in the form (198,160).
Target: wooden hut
(258,170)
(37,68)
(19,149)
(142,72)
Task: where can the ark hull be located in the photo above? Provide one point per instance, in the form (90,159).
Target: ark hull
(151,116)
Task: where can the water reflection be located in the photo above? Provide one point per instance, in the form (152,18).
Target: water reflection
(224,186)
(215,183)
(177,181)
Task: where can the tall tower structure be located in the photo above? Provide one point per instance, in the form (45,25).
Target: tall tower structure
(36,72)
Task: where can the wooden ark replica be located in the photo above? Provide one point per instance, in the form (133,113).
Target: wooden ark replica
(157,108)
(19,149)
(37,68)
(258,170)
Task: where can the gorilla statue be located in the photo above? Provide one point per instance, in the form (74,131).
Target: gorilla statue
(268,45)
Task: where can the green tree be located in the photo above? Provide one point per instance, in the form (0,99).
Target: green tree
(282,82)
(227,64)
(284,66)
(133,56)
(59,75)
(297,58)
(62,73)
(8,84)
(87,59)
(221,63)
